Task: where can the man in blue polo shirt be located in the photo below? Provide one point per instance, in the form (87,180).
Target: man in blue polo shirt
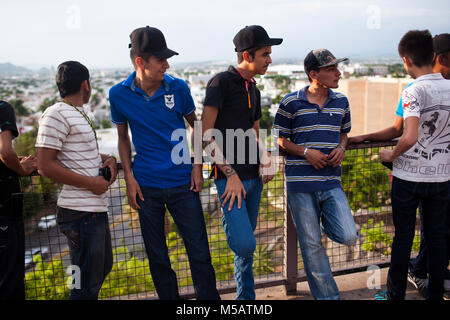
(155,105)
(312,125)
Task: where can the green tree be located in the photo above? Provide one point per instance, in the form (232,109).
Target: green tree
(262,260)
(282,82)
(24,144)
(365,180)
(19,108)
(47,103)
(95,99)
(277,99)
(47,282)
(266,121)
(397,70)
(36,190)
(105,124)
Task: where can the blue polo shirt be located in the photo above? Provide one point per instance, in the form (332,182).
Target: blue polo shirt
(305,124)
(152,120)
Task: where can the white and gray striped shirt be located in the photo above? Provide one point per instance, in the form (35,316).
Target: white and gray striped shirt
(63,128)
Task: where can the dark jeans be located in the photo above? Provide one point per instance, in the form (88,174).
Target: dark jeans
(419,265)
(434,198)
(186,210)
(89,241)
(12,257)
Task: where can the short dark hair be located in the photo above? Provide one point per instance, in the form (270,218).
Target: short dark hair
(251,52)
(134,53)
(418,46)
(70,76)
(313,68)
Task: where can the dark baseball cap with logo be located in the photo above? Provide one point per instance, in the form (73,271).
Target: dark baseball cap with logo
(441,43)
(150,40)
(320,58)
(252,37)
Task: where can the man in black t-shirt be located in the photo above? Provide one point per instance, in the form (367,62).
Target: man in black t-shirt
(232,109)
(12,239)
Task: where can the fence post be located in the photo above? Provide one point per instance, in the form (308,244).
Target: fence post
(290,246)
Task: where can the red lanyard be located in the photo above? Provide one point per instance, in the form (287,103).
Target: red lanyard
(247,85)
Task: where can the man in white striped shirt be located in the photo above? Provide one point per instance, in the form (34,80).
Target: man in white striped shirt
(68,151)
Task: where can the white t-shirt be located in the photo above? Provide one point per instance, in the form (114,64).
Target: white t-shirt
(63,128)
(428,98)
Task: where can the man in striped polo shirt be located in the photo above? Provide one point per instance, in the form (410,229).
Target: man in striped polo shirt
(312,127)
(68,153)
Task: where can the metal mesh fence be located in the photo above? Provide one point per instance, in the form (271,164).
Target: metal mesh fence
(365,181)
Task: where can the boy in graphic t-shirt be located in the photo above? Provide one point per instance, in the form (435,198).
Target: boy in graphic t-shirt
(420,167)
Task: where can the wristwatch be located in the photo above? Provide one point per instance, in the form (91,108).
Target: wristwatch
(342,148)
(304,152)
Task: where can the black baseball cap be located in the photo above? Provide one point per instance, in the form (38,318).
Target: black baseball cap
(441,43)
(253,36)
(320,58)
(150,40)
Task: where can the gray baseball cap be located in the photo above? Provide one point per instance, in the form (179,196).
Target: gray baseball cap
(320,58)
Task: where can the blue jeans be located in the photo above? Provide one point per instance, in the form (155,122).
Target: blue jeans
(434,199)
(239,225)
(89,241)
(326,211)
(186,210)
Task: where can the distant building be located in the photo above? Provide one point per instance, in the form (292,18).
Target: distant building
(373,102)
(360,69)
(201,79)
(285,69)
(266,101)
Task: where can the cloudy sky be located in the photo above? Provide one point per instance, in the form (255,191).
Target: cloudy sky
(96,32)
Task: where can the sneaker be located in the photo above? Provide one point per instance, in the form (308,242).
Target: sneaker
(421,284)
(382,295)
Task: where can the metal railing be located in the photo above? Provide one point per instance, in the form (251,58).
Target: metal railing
(277,259)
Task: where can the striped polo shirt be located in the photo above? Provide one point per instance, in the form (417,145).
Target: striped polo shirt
(305,124)
(63,128)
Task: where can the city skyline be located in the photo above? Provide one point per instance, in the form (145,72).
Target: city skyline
(96,33)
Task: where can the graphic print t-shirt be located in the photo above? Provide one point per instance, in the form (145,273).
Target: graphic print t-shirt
(428,98)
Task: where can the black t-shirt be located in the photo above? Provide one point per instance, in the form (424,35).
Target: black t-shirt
(9,182)
(227,91)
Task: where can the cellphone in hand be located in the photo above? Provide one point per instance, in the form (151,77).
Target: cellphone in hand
(105,173)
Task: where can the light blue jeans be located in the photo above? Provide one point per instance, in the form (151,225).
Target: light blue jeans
(239,225)
(326,211)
